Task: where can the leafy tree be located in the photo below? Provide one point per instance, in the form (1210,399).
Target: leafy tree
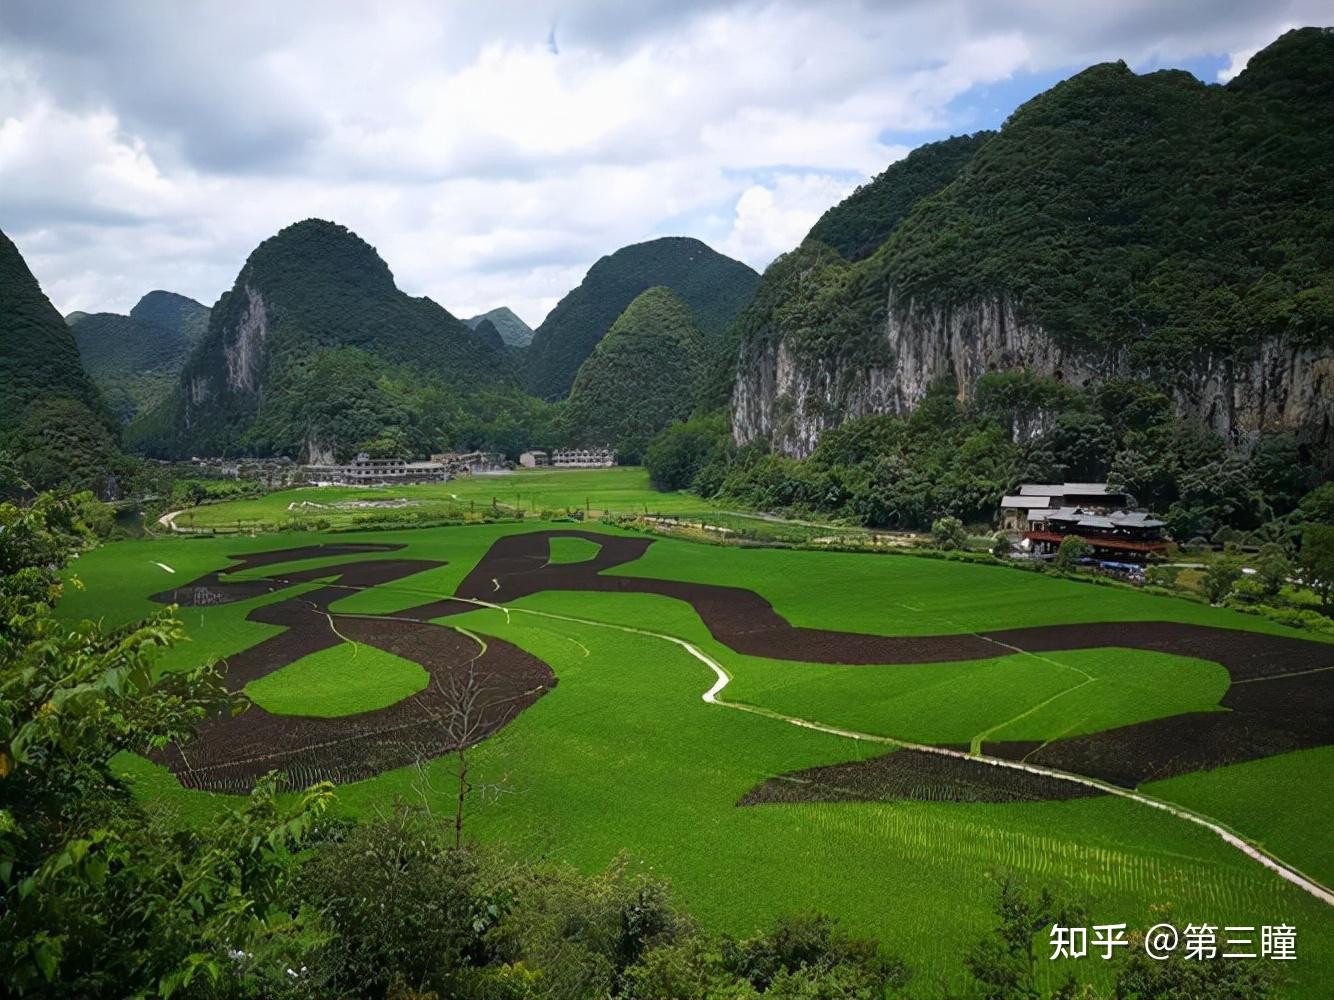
(1178,979)
(1001,546)
(1069,553)
(1316,562)
(949,533)
(1219,577)
(807,949)
(1272,570)
(403,905)
(99,898)
(1317,507)
(679,452)
(1005,964)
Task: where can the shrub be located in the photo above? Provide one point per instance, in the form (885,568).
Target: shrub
(1072,550)
(948,533)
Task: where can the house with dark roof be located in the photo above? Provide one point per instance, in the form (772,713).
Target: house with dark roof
(1115,536)
(1018,511)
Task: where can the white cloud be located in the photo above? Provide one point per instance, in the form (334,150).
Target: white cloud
(773,219)
(154,145)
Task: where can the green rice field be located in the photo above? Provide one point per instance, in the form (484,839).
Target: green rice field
(624,753)
(619,490)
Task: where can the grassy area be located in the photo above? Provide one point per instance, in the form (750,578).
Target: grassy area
(338,681)
(624,753)
(620,490)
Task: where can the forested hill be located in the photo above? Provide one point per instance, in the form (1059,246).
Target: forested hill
(857,225)
(513,331)
(53,422)
(640,377)
(1119,224)
(135,359)
(315,345)
(715,288)
(174,312)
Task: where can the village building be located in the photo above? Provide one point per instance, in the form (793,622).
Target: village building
(1033,499)
(366,471)
(584,458)
(471,462)
(1118,536)
(535,459)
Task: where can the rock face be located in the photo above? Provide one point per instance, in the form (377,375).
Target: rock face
(791,398)
(1113,227)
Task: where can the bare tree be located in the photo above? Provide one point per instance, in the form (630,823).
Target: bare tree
(470,713)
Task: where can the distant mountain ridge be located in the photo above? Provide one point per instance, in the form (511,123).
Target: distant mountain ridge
(713,286)
(513,330)
(314,310)
(135,359)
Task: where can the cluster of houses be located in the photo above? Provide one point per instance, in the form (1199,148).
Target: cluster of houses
(1045,514)
(364,470)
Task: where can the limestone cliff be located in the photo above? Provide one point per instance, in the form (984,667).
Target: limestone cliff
(789,397)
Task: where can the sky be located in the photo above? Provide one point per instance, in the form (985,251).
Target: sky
(492,152)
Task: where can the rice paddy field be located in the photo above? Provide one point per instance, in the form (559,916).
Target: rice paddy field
(619,490)
(690,705)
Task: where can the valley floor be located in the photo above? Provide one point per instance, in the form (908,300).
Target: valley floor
(622,752)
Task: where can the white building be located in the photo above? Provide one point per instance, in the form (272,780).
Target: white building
(364,470)
(584,458)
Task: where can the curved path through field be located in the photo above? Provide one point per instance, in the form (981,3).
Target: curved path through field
(1281,697)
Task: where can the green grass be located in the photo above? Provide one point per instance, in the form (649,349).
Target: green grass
(571,550)
(342,680)
(619,490)
(624,755)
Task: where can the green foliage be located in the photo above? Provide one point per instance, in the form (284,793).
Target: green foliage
(857,225)
(1317,507)
(715,288)
(1000,545)
(1068,554)
(61,443)
(805,949)
(948,533)
(402,906)
(640,377)
(39,360)
(99,898)
(1219,577)
(1005,964)
(679,455)
(1316,562)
